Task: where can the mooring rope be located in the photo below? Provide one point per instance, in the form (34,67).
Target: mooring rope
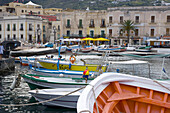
(30,104)
(161,85)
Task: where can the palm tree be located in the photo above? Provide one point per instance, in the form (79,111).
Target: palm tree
(128,25)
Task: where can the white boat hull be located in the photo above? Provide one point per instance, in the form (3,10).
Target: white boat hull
(69,101)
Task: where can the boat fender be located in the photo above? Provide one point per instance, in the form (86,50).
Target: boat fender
(69,65)
(61,75)
(117,70)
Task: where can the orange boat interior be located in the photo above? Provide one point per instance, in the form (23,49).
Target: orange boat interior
(120,98)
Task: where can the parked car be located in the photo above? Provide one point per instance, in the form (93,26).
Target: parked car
(48,44)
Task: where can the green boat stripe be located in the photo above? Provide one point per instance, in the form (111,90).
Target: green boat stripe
(45,81)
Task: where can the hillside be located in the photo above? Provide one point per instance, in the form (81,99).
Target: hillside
(92,4)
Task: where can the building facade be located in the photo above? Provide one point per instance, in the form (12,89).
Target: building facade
(21,28)
(83,23)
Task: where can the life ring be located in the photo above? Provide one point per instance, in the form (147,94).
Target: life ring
(72,59)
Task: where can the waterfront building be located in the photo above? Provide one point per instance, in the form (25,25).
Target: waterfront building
(80,24)
(14,8)
(52,11)
(150,22)
(22,28)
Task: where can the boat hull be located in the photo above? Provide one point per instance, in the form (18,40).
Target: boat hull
(35,82)
(75,67)
(126,94)
(69,101)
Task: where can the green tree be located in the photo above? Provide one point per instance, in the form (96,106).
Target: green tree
(128,25)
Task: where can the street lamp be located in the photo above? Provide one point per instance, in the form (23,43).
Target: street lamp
(54,31)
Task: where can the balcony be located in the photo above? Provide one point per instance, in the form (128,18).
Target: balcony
(103,26)
(137,22)
(21,29)
(80,26)
(68,26)
(91,26)
(30,29)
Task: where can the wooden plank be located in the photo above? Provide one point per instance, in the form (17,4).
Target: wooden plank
(109,107)
(153,102)
(123,96)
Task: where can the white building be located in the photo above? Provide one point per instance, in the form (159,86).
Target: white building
(23,28)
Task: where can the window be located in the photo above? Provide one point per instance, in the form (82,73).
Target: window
(110,19)
(8,37)
(22,11)
(21,27)
(103,23)
(14,36)
(121,32)
(14,27)
(167,31)
(152,32)
(80,23)
(136,32)
(102,33)
(110,32)
(44,36)
(91,23)
(80,33)
(0,36)
(8,27)
(25,10)
(91,33)
(30,27)
(38,12)
(22,36)
(0,27)
(68,23)
(121,19)
(136,19)
(168,18)
(38,25)
(58,27)
(43,28)
(68,33)
(152,19)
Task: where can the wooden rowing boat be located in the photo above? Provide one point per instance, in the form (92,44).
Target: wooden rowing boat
(120,93)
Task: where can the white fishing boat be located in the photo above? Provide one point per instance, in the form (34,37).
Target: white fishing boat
(62,49)
(86,49)
(41,82)
(69,101)
(121,93)
(65,73)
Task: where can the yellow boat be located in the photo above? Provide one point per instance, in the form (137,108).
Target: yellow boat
(63,65)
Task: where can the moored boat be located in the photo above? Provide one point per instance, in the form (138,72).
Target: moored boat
(86,49)
(69,101)
(115,92)
(41,82)
(48,64)
(62,49)
(50,72)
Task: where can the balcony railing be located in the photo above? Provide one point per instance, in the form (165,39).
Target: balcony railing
(30,29)
(91,25)
(80,26)
(103,25)
(21,29)
(68,26)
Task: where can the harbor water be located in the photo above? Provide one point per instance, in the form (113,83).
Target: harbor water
(21,96)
